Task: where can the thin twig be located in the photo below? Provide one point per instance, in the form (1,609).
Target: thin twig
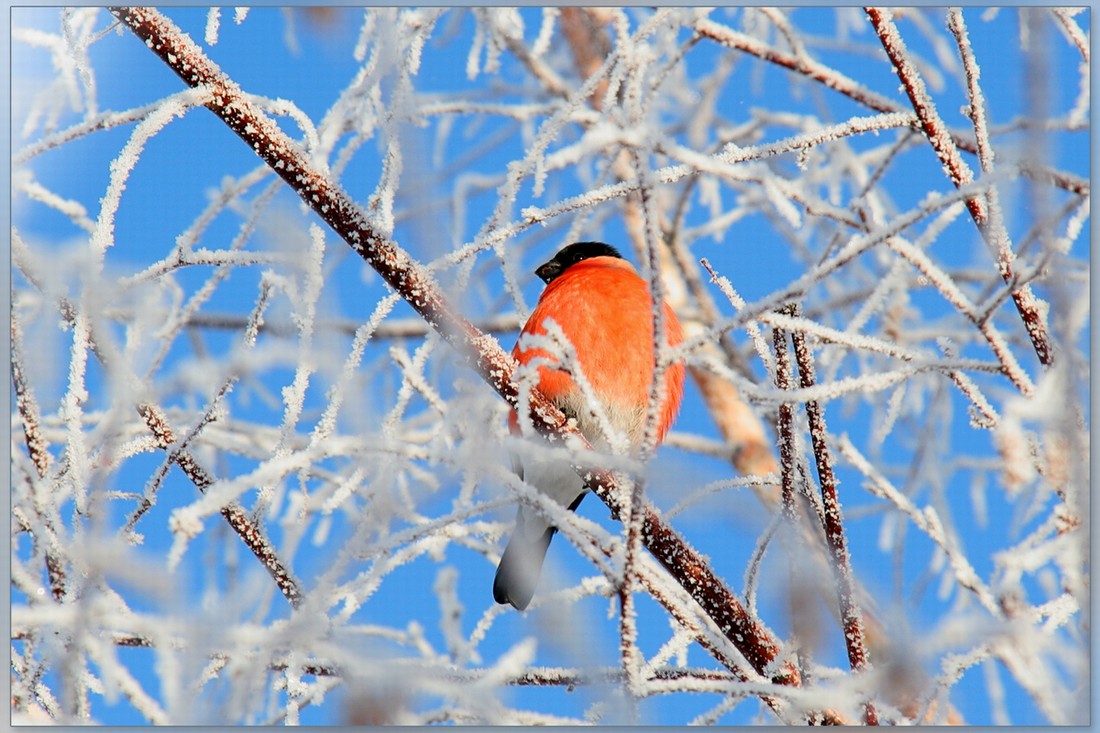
(785,423)
(839,82)
(850,612)
(991,229)
(928,521)
(403,328)
(234,513)
(1073,31)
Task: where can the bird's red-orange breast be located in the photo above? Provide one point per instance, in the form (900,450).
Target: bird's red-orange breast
(604,308)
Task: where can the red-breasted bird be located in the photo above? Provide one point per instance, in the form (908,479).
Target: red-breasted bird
(605,310)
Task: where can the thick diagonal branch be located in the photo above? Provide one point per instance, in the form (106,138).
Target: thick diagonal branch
(413,282)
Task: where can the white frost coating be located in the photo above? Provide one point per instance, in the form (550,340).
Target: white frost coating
(893,410)
(366,34)
(782,203)
(450,610)
(343,491)
(44,109)
(506,24)
(239,14)
(76,450)
(80,31)
(285,108)
(546,32)
(304,296)
(512,663)
(326,425)
(762,349)
(121,167)
(116,679)
(535,158)
(954,294)
(68,55)
(412,381)
(826,391)
(34,190)
(213,22)
(420,24)
(698,163)
(928,521)
(954,166)
(185,526)
(473,57)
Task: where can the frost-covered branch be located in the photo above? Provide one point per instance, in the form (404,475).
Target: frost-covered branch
(234,514)
(851,613)
(990,223)
(839,82)
(409,278)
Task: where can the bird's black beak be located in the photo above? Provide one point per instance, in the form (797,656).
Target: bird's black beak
(547,271)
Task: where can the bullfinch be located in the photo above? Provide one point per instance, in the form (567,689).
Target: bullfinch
(605,311)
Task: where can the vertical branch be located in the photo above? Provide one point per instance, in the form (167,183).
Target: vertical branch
(590,46)
(642,212)
(788,471)
(850,613)
(629,654)
(1031,310)
(31,418)
(785,424)
(635,519)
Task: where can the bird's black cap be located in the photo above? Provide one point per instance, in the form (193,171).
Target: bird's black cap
(571,255)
